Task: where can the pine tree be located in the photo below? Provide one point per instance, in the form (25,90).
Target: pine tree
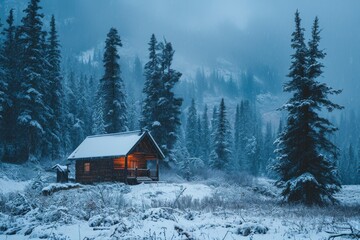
(10,67)
(205,136)
(112,87)
(138,74)
(3,88)
(169,105)
(98,126)
(306,174)
(192,139)
(161,109)
(268,149)
(33,110)
(151,87)
(221,154)
(55,91)
(237,143)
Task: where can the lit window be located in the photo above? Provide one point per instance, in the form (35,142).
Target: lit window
(86,167)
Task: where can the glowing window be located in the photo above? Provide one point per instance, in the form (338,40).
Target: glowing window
(86,167)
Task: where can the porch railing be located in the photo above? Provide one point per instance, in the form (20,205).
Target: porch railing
(136,172)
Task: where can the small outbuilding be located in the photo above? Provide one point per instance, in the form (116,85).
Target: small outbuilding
(62,173)
(130,157)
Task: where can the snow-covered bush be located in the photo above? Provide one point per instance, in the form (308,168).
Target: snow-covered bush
(57,214)
(17,204)
(159,213)
(55,187)
(103,221)
(248,228)
(120,232)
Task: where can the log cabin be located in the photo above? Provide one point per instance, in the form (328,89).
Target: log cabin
(129,157)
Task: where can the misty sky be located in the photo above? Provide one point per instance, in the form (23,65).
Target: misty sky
(227,34)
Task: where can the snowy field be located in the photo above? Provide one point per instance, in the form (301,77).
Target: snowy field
(210,209)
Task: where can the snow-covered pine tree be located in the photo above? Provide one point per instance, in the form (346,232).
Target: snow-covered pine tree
(84,112)
(238,149)
(112,86)
(169,105)
(268,148)
(138,77)
(11,65)
(33,110)
(192,140)
(306,174)
(161,109)
(56,94)
(214,122)
(151,87)
(221,154)
(205,136)
(3,88)
(75,125)
(98,126)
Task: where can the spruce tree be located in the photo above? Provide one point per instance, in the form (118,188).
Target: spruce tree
(33,110)
(205,136)
(305,163)
(112,87)
(161,109)
(237,143)
(151,87)
(168,104)
(55,92)
(268,147)
(3,87)
(221,153)
(192,139)
(11,51)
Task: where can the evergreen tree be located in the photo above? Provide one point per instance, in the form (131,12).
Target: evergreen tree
(205,136)
(170,105)
(268,147)
(151,87)
(161,109)
(306,174)
(55,91)
(98,126)
(112,87)
(192,139)
(33,110)
(214,121)
(221,154)
(237,143)
(138,74)
(3,88)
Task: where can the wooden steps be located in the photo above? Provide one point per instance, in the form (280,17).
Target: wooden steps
(144,180)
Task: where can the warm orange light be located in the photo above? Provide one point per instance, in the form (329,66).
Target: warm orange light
(86,167)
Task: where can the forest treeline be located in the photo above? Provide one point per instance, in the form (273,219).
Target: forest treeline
(50,101)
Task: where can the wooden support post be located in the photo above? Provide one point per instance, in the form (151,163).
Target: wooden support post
(136,173)
(126,172)
(157,169)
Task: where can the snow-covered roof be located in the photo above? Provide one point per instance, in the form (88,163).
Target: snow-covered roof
(60,168)
(110,145)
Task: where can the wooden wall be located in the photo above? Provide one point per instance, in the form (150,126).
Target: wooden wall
(107,170)
(101,170)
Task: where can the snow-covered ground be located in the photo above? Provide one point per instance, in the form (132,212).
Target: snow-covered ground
(8,186)
(189,210)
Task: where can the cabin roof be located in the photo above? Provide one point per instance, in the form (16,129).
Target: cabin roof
(111,145)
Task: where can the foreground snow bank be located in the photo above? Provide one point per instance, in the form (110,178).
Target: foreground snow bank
(209,210)
(167,192)
(8,185)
